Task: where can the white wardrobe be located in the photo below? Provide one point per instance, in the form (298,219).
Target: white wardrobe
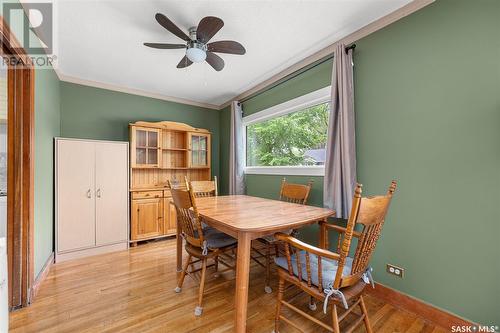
(91,197)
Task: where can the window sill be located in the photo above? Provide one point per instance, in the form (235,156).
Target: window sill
(286,170)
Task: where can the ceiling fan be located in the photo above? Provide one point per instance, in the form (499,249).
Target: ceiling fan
(197,43)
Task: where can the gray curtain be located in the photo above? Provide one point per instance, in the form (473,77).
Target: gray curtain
(236,177)
(340,164)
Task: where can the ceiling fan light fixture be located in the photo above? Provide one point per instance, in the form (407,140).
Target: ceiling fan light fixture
(197,43)
(196,54)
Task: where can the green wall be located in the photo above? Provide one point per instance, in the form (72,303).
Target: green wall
(427,100)
(47,120)
(94,113)
(427,114)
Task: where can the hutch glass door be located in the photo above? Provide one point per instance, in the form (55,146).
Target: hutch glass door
(199,150)
(146,147)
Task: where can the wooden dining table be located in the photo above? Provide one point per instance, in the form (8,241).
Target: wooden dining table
(246,218)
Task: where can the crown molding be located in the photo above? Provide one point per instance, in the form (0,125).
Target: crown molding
(329,50)
(376,25)
(138,92)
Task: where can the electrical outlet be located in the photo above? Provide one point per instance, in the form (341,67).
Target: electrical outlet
(395,270)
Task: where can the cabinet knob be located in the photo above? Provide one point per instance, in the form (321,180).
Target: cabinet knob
(98,193)
(89,194)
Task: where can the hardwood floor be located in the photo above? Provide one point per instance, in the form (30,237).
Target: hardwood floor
(133,291)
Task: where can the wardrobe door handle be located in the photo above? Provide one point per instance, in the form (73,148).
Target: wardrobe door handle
(89,194)
(98,193)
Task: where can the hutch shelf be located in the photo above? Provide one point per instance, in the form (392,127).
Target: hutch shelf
(161,151)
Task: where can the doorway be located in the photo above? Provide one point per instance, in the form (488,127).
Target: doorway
(4,304)
(19,167)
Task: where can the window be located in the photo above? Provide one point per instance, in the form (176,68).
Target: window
(289,138)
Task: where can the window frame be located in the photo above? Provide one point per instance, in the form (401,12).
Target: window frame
(316,97)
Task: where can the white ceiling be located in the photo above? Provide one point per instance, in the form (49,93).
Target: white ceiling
(101,41)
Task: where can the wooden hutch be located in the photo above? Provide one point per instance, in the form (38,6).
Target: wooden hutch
(159,152)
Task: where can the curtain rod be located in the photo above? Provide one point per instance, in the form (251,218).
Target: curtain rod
(368,29)
(295,74)
(288,78)
(350,47)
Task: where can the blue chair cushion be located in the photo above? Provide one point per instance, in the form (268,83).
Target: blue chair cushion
(329,268)
(207,229)
(272,239)
(216,239)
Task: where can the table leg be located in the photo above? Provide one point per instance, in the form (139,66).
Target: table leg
(179,248)
(323,234)
(242,276)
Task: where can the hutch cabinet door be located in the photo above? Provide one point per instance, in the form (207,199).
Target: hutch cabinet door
(199,145)
(147,218)
(170,217)
(145,147)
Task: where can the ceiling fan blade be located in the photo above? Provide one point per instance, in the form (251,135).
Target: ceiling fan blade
(185,62)
(215,61)
(165,46)
(226,46)
(170,26)
(208,27)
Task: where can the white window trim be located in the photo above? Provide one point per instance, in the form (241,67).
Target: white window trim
(299,170)
(302,102)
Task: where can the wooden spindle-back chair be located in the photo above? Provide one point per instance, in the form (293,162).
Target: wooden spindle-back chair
(289,192)
(334,276)
(201,243)
(203,188)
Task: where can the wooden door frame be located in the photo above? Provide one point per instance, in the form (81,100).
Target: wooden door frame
(20,169)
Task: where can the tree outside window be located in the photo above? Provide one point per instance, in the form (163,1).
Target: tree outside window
(295,139)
